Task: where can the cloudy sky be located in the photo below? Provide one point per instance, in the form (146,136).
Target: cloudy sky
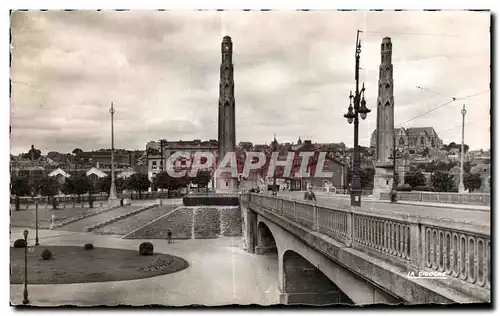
(293,74)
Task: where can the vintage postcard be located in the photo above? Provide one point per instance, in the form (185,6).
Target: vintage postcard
(250,157)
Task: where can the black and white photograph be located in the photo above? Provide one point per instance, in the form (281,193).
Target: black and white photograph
(252,157)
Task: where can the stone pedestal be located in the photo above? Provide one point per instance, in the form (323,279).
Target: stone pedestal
(384,176)
(226,185)
(113,202)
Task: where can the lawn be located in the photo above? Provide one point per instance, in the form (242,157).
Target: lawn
(26,218)
(71,264)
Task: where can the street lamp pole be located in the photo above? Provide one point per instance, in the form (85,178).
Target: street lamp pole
(274,148)
(25,292)
(352,115)
(394,157)
(36,224)
(113,200)
(162,143)
(461,188)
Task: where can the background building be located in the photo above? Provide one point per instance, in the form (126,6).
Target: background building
(413,139)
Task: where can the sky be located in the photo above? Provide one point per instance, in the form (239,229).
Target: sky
(293,72)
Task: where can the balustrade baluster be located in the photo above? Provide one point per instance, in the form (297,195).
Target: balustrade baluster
(439,252)
(472,259)
(393,244)
(434,249)
(294,210)
(349,229)
(454,253)
(487,265)
(446,251)
(464,257)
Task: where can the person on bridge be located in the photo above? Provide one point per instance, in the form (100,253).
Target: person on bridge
(309,195)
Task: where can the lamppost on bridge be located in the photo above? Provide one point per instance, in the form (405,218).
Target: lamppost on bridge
(113,200)
(461,187)
(274,147)
(25,292)
(395,155)
(352,115)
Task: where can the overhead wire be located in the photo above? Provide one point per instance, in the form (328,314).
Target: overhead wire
(440,106)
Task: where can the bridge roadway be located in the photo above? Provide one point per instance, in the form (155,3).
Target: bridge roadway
(461,213)
(330,252)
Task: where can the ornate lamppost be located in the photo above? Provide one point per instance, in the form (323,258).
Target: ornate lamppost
(113,200)
(395,155)
(461,187)
(352,115)
(25,292)
(36,224)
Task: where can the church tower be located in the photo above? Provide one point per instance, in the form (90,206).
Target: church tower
(385,122)
(227,132)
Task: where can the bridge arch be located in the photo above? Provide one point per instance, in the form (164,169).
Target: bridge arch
(293,253)
(304,283)
(266,243)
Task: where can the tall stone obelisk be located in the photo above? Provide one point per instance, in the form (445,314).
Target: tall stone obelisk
(384,170)
(227,133)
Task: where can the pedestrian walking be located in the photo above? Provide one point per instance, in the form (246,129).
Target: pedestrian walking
(309,195)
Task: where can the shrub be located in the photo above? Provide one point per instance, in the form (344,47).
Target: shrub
(404,187)
(46,254)
(146,249)
(20,243)
(423,188)
(88,247)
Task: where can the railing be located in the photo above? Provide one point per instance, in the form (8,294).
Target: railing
(442,197)
(460,251)
(96,197)
(463,255)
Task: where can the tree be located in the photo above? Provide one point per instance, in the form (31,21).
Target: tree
(164,181)
(78,184)
(472,181)
(138,182)
(445,166)
(36,154)
(49,187)
(77,151)
(34,185)
(202,178)
(19,186)
(442,181)
(415,178)
(104,184)
(366,176)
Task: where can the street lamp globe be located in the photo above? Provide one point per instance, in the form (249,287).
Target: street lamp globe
(349,120)
(363,110)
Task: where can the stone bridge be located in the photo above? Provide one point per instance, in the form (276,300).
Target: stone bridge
(349,255)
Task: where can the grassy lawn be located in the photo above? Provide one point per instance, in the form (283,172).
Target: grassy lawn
(26,218)
(71,264)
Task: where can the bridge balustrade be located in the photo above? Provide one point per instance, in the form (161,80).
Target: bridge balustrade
(430,245)
(463,255)
(441,197)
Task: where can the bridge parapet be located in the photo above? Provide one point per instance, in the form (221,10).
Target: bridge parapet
(458,251)
(441,197)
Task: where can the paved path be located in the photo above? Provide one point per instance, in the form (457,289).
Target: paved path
(79,226)
(441,212)
(219,273)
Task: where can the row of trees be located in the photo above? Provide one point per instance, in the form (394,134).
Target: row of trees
(441,181)
(80,185)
